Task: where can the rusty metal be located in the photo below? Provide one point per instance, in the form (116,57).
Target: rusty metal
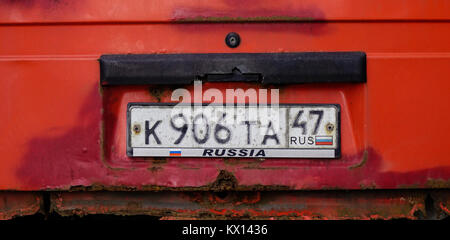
(330,204)
(137,128)
(256,205)
(14,204)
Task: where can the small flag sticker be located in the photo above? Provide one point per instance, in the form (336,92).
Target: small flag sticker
(324,140)
(175,153)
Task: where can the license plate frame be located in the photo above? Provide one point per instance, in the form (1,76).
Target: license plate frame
(131,151)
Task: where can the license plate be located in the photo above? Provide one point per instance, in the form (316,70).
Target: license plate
(245,131)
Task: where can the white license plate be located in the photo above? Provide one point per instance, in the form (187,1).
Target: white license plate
(264,131)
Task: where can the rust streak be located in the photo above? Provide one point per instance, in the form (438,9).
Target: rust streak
(362,163)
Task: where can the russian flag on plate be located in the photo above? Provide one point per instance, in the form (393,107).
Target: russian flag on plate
(324,140)
(175,152)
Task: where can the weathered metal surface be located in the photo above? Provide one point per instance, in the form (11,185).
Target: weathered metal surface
(440,204)
(417,204)
(13,204)
(253,205)
(63,131)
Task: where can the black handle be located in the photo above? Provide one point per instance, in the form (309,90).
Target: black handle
(266,68)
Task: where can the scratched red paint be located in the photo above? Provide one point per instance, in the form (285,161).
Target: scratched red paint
(65,11)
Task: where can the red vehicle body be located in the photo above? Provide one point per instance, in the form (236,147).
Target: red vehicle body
(63,134)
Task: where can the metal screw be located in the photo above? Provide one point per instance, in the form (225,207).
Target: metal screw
(330,127)
(232,40)
(137,128)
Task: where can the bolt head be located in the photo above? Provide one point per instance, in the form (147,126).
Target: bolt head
(330,127)
(137,128)
(232,40)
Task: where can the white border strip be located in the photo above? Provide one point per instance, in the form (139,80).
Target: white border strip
(269,153)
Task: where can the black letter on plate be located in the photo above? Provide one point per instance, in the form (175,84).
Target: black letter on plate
(220,127)
(248,123)
(151,131)
(200,141)
(320,113)
(207,152)
(182,129)
(301,124)
(273,136)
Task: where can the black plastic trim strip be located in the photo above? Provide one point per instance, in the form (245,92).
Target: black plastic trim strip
(265,68)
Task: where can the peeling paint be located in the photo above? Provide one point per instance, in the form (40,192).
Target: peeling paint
(437,183)
(158,92)
(444,208)
(408,186)
(225,181)
(247,12)
(368,186)
(249,205)
(245,19)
